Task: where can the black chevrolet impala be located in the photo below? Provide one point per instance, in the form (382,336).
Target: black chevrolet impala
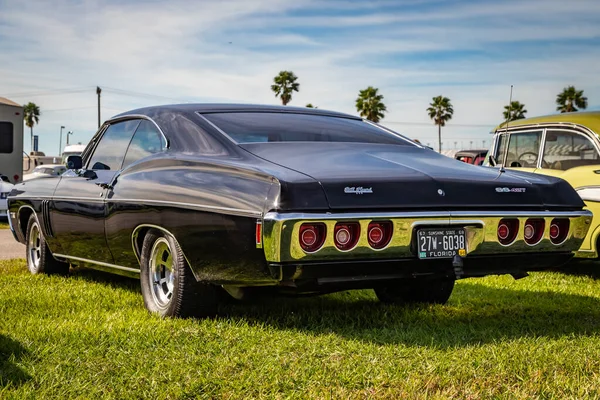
(206,201)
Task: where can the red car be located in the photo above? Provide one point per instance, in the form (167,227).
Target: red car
(476,157)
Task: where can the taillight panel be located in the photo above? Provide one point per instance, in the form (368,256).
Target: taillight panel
(508,228)
(346,235)
(533,231)
(379,234)
(312,236)
(559,230)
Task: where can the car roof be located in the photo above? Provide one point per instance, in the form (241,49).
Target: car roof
(223,107)
(589,119)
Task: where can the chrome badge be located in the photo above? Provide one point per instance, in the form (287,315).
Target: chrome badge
(441,192)
(357,190)
(510,190)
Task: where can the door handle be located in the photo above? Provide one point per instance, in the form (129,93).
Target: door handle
(104,185)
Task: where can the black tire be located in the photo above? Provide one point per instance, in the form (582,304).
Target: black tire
(175,293)
(39,258)
(428,291)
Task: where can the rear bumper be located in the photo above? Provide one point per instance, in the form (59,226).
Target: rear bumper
(332,276)
(281,232)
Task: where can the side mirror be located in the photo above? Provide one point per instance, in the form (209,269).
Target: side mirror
(74,162)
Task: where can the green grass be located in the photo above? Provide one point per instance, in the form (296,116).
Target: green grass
(89,336)
(4,225)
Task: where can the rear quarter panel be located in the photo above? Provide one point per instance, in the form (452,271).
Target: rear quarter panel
(210,208)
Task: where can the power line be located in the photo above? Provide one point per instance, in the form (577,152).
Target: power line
(50,92)
(139,94)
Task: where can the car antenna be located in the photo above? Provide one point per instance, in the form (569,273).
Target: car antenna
(505,155)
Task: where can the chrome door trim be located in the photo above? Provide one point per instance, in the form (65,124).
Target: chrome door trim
(103,264)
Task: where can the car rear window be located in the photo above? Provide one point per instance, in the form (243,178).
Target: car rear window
(253,127)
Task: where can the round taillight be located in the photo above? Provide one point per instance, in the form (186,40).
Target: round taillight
(554,231)
(379,234)
(507,230)
(533,231)
(528,231)
(346,235)
(312,236)
(559,230)
(342,236)
(309,237)
(503,231)
(375,235)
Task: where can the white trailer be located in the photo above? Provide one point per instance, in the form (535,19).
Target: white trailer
(11,140)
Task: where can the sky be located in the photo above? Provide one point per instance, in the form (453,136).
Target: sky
(55,53)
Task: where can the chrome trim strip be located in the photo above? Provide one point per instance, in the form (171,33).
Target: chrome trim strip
(137,251)
(202,207)
(281,244)
(139,116)
(235,211)
(85,260)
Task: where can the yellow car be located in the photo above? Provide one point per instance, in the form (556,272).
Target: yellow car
(564,145)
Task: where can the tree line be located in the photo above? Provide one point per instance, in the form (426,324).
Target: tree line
(369,103)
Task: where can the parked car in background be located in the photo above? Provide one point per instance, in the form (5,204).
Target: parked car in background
(45,171)
(563,145)
(5,188)
(475,157)
(199,200)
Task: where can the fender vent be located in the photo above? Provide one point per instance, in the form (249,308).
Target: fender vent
(46,218)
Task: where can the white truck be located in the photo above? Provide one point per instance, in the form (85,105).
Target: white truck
(11,140)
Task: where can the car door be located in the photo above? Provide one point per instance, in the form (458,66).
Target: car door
(124,213)
(79,207)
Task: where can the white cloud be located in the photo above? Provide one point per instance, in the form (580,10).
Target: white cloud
(470,52)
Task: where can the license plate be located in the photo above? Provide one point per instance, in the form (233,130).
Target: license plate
(441,242)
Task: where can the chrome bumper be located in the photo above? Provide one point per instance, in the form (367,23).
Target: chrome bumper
(281,244)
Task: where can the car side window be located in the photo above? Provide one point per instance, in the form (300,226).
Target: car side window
(110,151)
(568,149)
(147,140)
(523,149)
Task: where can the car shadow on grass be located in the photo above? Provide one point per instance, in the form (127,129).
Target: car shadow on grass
(588,268)
(10,352)
(475,314)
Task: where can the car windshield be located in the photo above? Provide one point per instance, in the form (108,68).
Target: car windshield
(252,127)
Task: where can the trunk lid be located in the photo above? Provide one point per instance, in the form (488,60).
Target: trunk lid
(376,176)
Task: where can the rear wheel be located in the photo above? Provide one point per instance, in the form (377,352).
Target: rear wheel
(169,288)
(428,291)
(39,258)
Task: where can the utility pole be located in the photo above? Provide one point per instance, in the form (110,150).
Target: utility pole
(60,141)
(98,91)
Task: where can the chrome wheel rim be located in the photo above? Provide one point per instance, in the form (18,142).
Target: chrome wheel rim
(35,247)
(161,274)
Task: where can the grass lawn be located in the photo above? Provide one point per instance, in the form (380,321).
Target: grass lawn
(89,336)
(3,224)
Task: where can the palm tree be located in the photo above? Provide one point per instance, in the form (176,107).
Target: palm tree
(285,84)
(309,105)
(31,116)
(517,111)
(571,99)
(369,105)
(440,110)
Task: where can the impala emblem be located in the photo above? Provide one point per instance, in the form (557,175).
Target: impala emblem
(357,190)
(441,192)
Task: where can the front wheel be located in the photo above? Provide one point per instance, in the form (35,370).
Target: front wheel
(169,288)
(428,291)
(39,258)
